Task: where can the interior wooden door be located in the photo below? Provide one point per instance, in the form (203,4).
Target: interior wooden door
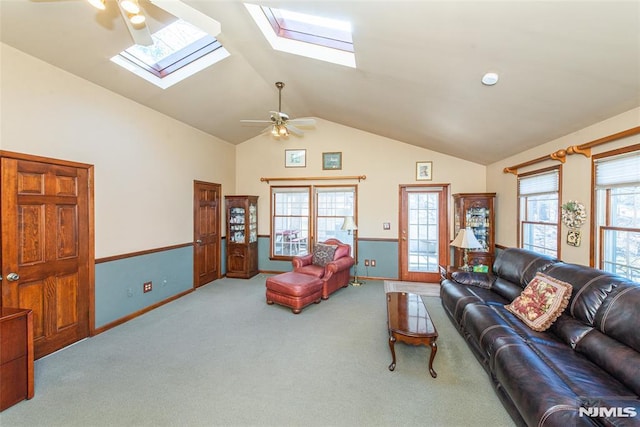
(424,245)
(47,255)
(206,232)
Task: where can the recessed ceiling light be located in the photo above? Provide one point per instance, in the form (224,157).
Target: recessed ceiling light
(490,79)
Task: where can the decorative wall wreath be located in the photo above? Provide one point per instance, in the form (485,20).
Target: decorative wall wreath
(573,214)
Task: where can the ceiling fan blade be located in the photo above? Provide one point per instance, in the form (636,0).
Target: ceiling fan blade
(255,122)
(294,130)
(302,122)
(139,33)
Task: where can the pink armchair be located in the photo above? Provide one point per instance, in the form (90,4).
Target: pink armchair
(334,274)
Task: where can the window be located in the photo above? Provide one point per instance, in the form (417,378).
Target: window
(290,221)
(179,51)
(539,207)
(297,217)
(306,35)
(617,213)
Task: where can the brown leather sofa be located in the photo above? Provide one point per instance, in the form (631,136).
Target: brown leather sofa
(582,371)
(335,274)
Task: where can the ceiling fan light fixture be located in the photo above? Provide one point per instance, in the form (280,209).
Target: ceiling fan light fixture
(98,4)
(131,6)
(283,131)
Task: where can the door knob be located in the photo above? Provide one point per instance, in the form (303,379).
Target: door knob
(12,277)
(199,241)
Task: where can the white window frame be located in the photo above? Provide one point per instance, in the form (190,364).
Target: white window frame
(539,184)
(616,239)
(284,247)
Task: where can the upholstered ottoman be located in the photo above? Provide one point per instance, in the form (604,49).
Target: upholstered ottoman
(294,290)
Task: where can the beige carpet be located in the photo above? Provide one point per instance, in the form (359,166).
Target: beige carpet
(420,288)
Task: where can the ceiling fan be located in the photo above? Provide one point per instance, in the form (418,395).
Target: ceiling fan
(280,124)
(133,17)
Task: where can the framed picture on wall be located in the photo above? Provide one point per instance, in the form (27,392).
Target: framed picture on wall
(295,158)
(332,161)
(424,171)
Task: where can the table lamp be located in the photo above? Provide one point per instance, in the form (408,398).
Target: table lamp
(466,240)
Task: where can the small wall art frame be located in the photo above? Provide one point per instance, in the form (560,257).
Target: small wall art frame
(424,171)
(295,158)
(332,161)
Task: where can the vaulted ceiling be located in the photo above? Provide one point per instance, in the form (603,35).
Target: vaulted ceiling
(563,65)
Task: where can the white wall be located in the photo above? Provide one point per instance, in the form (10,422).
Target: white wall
(145,162)
(576,179)
(386,163)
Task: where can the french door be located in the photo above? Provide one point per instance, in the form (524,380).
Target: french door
(423,231)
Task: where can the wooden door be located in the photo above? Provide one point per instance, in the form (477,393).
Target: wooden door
(47,255)
(424,245)
(206,232)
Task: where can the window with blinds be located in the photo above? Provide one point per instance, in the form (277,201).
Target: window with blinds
(538,210)
(617,213)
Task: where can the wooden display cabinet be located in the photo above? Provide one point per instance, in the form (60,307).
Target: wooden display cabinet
(242,236)
(476,211)
(16,356)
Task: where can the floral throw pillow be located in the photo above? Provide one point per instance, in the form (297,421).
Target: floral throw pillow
(541,302)
(323,254)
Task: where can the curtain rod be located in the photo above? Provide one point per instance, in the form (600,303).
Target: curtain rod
(584,149)
(314,178)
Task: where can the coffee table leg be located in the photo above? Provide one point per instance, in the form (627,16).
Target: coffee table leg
(392,341)
(434,350)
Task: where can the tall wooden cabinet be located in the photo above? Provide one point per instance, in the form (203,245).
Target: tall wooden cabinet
(476,211)
(242,236)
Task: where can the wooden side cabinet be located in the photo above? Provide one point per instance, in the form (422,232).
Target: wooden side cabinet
(242,236)
(476,211)
(16,356)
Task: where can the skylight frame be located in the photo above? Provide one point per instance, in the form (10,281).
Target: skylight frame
(317,46)
(168,70)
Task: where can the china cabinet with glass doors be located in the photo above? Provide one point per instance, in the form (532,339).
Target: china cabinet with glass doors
(242,236)
(475,211)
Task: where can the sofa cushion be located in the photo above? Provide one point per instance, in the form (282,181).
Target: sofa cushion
(542,302)
(312,270)
(520,265)
(619,317)
(323,254)
(481,280)
(590,288)
(342,251)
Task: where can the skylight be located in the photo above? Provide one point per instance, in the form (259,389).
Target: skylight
(179,51)
(306,35)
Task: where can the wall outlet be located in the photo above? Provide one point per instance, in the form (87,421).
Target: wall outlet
(129,292)
(373,263)
(147,286)
(366,263)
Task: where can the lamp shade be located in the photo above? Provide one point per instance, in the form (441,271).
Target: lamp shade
(466,240)
(349,224)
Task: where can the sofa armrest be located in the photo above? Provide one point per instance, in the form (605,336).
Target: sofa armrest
(481,280)
(339,264)
(301,261)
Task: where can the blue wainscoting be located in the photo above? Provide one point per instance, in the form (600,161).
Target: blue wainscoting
(384,252)
(118,291)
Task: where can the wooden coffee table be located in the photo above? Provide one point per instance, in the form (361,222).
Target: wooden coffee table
(409,322)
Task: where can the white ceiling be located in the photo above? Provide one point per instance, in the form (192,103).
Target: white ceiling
(563,65)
